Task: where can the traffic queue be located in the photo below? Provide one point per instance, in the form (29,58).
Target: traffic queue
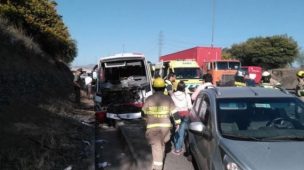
(127,89)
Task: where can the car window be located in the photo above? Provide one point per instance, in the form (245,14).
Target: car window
(197,105)
(204,109)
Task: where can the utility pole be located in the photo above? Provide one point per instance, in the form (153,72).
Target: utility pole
(160,44)
(213,22)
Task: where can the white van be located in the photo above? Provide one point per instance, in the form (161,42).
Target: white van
(123,84)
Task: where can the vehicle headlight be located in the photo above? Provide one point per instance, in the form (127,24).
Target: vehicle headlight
(230,164)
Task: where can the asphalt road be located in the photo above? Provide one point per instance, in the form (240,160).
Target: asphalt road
(174,162)
(112,153)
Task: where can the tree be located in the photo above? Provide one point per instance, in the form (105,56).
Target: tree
(226,54)
(300,59)
(268,52)
(39,20)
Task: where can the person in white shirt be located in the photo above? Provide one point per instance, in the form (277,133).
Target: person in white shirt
(88,83)
(182,101)
(207,81)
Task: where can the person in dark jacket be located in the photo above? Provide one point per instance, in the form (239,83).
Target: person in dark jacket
(77,85)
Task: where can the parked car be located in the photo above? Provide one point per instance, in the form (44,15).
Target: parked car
(247,128)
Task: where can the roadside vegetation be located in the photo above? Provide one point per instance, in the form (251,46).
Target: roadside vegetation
(37,119)
(271,52)
(40,21)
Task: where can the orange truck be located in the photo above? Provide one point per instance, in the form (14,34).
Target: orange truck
(209,59)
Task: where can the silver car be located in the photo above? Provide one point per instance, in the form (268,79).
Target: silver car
(247,128)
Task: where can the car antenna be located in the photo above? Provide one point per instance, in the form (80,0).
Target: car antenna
(282,89)
(254,92)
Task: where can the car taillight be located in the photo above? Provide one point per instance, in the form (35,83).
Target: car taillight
(100,116)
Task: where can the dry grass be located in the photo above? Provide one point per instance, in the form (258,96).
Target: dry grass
(18,39)
(38,139)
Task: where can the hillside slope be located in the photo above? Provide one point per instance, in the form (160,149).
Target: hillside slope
(35,106)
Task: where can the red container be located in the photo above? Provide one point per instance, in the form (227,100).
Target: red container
(200,54)
(255,71)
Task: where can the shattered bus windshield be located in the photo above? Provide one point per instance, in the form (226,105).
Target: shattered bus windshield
(130,68)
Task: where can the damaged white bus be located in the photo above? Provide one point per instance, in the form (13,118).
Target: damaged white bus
(123,84)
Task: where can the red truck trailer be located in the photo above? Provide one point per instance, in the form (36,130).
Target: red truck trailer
(209,58)
(200,54)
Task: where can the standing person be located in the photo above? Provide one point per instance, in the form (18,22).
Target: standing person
(268,81)
(182,101)
(248,81)
(169,83)
(207,81)
(88,83)
(239,79)
(94,79)
(300,85)
(208,76)
(158,109)
(77,85)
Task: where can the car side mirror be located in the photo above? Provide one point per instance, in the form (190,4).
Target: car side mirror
(197,127)
(200,128)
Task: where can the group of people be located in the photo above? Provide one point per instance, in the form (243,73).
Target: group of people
(267,81)
(85,84)
(243,79)
(164,104)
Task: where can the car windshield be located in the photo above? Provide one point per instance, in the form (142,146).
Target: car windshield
(261,118)
(188,73)
(231,65)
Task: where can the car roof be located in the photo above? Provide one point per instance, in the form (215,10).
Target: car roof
(247,92)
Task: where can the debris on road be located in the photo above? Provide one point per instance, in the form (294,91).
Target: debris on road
(103,164)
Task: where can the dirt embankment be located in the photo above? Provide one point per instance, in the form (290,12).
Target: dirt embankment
(37,131)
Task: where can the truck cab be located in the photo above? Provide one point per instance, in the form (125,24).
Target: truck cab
(186,70)
(222,71)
